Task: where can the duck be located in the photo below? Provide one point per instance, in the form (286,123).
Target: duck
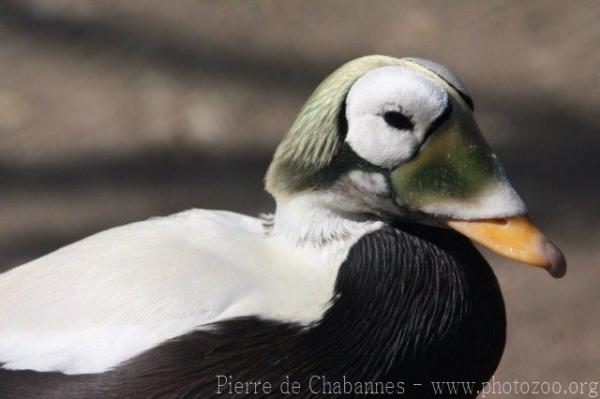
(364,280)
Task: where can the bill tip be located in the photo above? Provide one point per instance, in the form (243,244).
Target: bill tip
(558,264)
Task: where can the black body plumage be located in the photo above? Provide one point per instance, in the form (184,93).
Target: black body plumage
(412,304)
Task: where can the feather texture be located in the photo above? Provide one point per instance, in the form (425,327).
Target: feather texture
(98,302)
(411,305)
(316,135)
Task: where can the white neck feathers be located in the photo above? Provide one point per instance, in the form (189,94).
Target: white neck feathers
(310,218)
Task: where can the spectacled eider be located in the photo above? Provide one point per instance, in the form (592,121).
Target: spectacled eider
(360,277)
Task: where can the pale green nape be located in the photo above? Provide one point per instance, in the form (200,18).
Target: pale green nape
(314,138)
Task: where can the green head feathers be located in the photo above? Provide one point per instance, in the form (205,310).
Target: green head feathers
(401,138)
(315,139)
(443,166)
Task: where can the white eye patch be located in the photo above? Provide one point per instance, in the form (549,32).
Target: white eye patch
(391,89)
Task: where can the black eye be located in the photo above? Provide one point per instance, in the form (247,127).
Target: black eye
(398,120)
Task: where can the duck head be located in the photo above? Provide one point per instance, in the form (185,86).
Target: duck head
(397,139)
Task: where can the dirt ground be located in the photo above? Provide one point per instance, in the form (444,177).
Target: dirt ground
(115,111)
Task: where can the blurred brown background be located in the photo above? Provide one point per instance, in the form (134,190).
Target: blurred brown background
(114,111)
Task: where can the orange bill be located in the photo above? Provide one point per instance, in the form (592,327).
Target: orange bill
(515,238)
